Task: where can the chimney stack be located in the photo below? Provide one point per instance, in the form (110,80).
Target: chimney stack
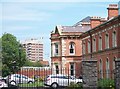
(112,10)
(95,21)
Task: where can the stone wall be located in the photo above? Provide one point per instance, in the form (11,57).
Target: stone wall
(117,74)
(89,72)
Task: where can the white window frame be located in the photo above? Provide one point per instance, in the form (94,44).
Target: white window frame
(56,49)
(101,68)
(114,39)
(94,45)
(73,64)
(89,46)
(107,68)
(100,43)
(106,41)
(84,47)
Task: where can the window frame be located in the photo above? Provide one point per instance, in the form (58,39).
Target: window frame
(107,41)
(71,48)
(114,39)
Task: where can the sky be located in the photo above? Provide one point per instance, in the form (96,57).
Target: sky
(37,18)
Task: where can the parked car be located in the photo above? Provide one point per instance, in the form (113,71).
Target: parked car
(18,78)
(55,81)
(2,83)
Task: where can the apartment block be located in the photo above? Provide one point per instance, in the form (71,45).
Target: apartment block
(34,49)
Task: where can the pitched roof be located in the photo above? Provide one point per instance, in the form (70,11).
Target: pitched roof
(87,19)
(75,29)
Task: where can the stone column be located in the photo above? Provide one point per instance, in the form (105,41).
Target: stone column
(117,74)
(89,71)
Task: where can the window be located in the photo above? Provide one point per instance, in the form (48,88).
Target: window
(84,48)
(106,41)
(114,41)
(57,69)
(72,48)
(101,69)
(107,68)
(100,43)
(114,66)
(94,45)
(114,63)
(72,69)
(56,48)
(89,46)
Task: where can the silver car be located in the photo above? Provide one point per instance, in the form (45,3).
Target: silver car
(18,78)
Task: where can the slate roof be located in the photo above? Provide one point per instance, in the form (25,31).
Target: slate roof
(87,19)
(75,29)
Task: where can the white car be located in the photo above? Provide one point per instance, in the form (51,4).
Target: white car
(2,83)
(14,79)
(55,81)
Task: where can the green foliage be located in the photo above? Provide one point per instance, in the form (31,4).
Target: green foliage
(106,84)
(35,84)
(13,55)
(33,64)
(75,86)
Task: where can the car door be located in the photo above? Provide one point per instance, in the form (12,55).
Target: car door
(63,80)
(16,78)
(24,79)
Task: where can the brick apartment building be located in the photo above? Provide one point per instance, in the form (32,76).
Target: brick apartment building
(102,43)
(99,37)
(66,47)
(34,49)
(66,50)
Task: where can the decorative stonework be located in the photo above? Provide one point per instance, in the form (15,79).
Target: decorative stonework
(117,74)
(89,68)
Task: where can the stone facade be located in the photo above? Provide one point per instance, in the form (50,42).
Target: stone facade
(117,74)
(89,71)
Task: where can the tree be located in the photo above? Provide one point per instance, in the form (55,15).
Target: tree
(33,64)
(13,55)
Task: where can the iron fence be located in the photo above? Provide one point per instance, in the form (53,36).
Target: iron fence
(34,78)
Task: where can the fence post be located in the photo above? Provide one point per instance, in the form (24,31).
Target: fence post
(89,70)
(117,74)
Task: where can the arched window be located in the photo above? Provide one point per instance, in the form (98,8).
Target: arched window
(56,49)
(89,47)
(114,39)
(106,41)
(84,48)
(113,66)
(100,43)
(101,69)
(107,68)
(72,48)
(94,45)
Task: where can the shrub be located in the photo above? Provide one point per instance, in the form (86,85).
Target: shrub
(75,86)
(106,84)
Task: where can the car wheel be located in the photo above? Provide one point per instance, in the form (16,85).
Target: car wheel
(13,83)
(54,85)
(30,82)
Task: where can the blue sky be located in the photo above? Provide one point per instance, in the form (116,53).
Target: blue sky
(37,18)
